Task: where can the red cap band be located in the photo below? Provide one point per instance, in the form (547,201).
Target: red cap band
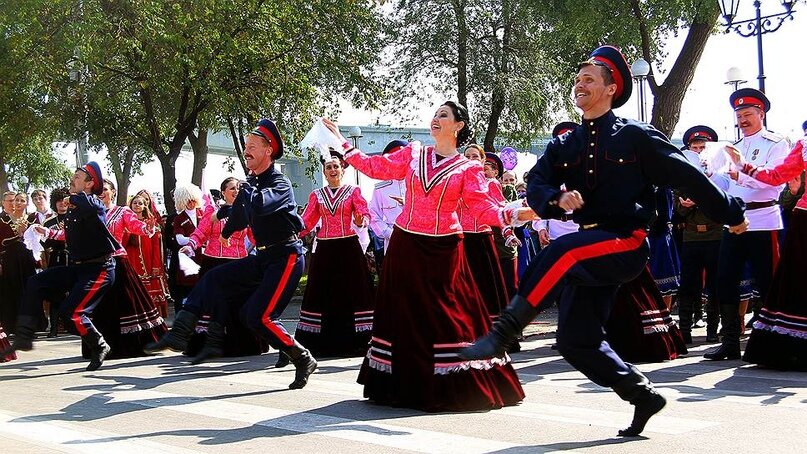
(617,76)
(269,138)
(91,172)
(749,101)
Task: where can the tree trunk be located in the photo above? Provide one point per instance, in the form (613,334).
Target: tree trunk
(238,141)
(168,165)
(669,96)
(200,150)
(499,96)
(3,176)
(122,168)
(462,53)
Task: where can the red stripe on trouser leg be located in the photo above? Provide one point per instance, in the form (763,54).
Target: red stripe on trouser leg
(774,250)
(80,308)
(572,256)
(267,322)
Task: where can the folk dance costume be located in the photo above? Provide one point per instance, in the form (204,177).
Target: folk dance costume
(127,316)
(5,346)
(640,327)
(665,265)
(758,246)
(183,226)
(613,163)
(238,339)
(480,252)
(88,277)
(261,285)
(779,338)
(336,316)
(16,266)
(56,254)
(147,259)
(504,239)
(423,315)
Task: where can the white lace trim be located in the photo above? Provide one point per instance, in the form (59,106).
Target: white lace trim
(461,366)
(780,330)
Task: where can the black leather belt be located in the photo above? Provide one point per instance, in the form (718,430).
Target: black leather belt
(565,217)
(101,259)
(700,228)
(263,247)
(758,205)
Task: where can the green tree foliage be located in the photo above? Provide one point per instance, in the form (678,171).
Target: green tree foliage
(640,28)
(153,73)
(27,128)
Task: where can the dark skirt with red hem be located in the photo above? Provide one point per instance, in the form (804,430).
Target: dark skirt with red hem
(779,338)
(4,344)
(428,308)
(486,270)
(126,316)
(238,339)
(640,328)
(336,317)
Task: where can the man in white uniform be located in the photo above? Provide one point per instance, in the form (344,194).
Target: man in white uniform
(759,245)
(387,201)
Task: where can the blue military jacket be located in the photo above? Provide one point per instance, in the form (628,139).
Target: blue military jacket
(266,204)
(614,163)
(86,235)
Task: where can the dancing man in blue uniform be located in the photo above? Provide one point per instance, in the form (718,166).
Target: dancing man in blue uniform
(261,284)
(609,166)
(89,274)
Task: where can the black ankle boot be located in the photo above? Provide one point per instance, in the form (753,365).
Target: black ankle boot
(637,389)
(687,335)
(282,360)
(730,348)
(24,337)
(304,363)
(99,349)
(518,314)
(176,338)
(214,344)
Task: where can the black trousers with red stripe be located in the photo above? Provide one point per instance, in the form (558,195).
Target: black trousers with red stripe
(262,285)
(86,285)
(760,249)
(583,271)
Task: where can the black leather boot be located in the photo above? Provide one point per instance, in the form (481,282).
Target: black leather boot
(685,315)
(637,389)
(214,344)
(518,314)
(712,320)
(730,348)
(99,349)
(24,337)
(176,338)
(304,363)
(282,360)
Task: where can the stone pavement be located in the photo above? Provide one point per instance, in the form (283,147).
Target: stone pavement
(162,404)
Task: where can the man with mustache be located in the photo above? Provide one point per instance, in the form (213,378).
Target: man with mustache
(261,284)
(90,272)
(759,246)
(609,166)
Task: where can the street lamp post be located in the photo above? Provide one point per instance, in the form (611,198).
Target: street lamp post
(639,70)
(355,134)
(734,77)
(757,26)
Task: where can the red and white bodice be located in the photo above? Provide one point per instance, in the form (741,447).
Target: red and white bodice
(334,208)
(467,219)
(434,188)
(207,234)
(791,167)
(122,221)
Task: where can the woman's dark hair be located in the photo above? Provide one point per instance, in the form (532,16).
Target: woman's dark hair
(337,155)
(227,181)
(461,114)
(110,183)
(56,195)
